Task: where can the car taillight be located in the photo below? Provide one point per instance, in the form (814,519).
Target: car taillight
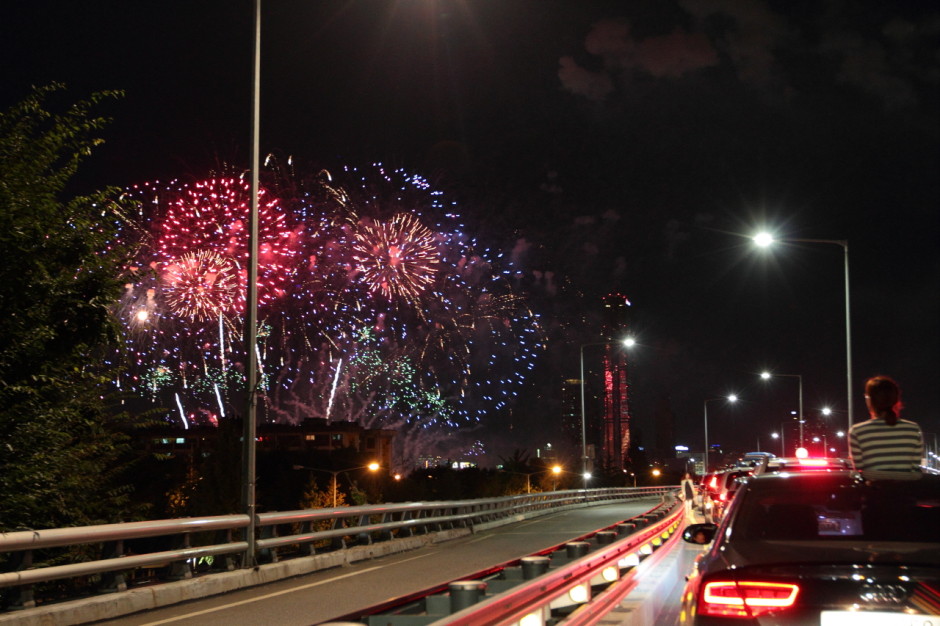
(729,598)
(723,497)
(713,483)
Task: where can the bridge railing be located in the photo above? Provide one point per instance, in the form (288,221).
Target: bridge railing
(577,582)
(104,558)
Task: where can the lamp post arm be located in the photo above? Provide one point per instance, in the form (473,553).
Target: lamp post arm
(844,243)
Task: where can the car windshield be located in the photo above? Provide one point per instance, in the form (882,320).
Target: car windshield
(851,510)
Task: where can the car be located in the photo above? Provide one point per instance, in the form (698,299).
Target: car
(826,547)
(753,459)
(725,485)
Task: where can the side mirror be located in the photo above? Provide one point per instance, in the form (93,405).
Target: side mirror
(699,533)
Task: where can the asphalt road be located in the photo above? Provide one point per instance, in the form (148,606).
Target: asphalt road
(325,595)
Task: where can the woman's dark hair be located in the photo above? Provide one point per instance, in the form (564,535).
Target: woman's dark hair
(884,396)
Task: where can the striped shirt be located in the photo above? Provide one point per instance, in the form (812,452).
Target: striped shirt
(877,447)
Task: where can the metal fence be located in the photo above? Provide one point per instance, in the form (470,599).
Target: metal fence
(41,566)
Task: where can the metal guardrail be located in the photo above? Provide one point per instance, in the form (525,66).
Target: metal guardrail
(575,583)
(103,557)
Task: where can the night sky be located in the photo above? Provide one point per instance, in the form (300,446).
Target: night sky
(626,147)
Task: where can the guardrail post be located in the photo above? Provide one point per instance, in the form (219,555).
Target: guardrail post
(225,562)
(534,566)
(112,581)
(308,548)
(605,537)
(464,593)
(19,561)
(180,570)
(577,549)
(337,543)
(267,555)
(364,539)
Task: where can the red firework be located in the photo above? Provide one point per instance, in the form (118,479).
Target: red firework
(204,237)
(397,258)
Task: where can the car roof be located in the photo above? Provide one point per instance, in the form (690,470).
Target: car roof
(800,480)
(779,464)
(792,477)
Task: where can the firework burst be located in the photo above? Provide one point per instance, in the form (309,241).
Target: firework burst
(375,305)
(202,285)
(398,258)
(210,220)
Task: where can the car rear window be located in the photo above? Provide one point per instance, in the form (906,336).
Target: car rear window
(880,511)
(730,477)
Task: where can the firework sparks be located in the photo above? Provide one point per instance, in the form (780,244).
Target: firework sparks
(206,224)
(398,258)
(375,306)
(202,285)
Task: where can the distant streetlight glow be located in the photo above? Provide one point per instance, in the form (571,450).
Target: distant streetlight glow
(763,239)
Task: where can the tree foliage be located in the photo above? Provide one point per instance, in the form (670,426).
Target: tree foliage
(60,268)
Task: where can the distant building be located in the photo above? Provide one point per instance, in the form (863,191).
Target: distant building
(615,441)
(571,411)
(309,436)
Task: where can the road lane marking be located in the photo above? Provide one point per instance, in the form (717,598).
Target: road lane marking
(264,597)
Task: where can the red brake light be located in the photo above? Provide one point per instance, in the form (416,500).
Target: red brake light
(713,483)
(723,496)
(728,598)
(815,462)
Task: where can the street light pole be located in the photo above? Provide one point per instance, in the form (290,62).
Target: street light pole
(249,457)
(767,375)
(765,239)
(731,398)
(584,421)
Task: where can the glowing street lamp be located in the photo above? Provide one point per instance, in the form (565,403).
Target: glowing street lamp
(585,474)
(556,469)
(372,467)
(780,436)
(768,375)
(730,398)
(764,240)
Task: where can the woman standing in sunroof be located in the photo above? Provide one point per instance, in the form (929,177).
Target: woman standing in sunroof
(886,446)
